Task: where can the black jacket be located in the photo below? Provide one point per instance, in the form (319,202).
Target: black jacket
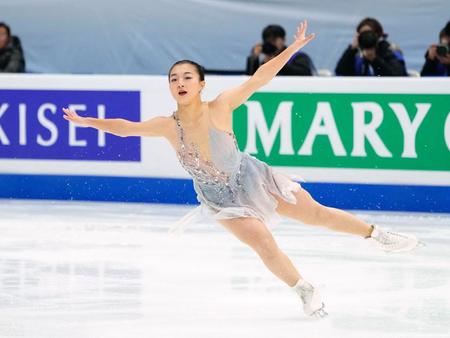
(434,68)
(299,64)
(386,62)
(11,57)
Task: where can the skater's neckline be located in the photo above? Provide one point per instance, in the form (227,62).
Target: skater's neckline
(210,125)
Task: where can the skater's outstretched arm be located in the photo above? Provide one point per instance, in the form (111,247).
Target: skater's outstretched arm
(234,97)
(153,127)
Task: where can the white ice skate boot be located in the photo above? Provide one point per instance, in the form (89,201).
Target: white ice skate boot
(392,241)
(312,302)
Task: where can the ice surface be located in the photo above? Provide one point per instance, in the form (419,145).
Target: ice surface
(83,269)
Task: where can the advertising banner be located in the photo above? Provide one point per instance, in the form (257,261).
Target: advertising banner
(31,125)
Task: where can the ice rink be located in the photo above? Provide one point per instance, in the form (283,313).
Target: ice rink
(79,269)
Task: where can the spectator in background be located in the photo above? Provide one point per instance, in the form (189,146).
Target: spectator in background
(437,57)
(273,43)
(11,53)
(370,54)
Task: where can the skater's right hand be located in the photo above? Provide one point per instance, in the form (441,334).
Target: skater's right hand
(72,116)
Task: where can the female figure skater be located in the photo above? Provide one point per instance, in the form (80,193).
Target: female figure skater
(240,191)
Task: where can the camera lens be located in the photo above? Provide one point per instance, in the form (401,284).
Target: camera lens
(442,50)
(269,48)
(367,40)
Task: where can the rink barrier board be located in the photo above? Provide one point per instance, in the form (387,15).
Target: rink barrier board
(308,127)
(180,191)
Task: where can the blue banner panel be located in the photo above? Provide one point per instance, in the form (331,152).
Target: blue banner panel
(32,125)
(180,191)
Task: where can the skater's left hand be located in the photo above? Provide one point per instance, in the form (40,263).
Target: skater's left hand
(300,38)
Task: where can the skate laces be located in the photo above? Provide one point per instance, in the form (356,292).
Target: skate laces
(306,294)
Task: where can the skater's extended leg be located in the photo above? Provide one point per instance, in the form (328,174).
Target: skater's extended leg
(309,211)
(255,234)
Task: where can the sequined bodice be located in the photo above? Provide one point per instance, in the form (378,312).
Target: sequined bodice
(224,153)
(229,183)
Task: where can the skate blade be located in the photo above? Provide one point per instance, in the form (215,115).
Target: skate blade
(321,313)
(418,245)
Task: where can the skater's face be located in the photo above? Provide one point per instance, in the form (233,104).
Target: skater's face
(185,84)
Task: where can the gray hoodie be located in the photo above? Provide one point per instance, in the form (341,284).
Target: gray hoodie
(11,57)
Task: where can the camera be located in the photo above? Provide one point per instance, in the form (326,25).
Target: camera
(442,49)
(367,40)
(269,48)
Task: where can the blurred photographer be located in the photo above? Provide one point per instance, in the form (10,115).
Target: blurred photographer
(437,57)
(370,54)
(274,42)
(11,53)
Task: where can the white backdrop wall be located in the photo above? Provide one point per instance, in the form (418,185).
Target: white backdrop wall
(146,37)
